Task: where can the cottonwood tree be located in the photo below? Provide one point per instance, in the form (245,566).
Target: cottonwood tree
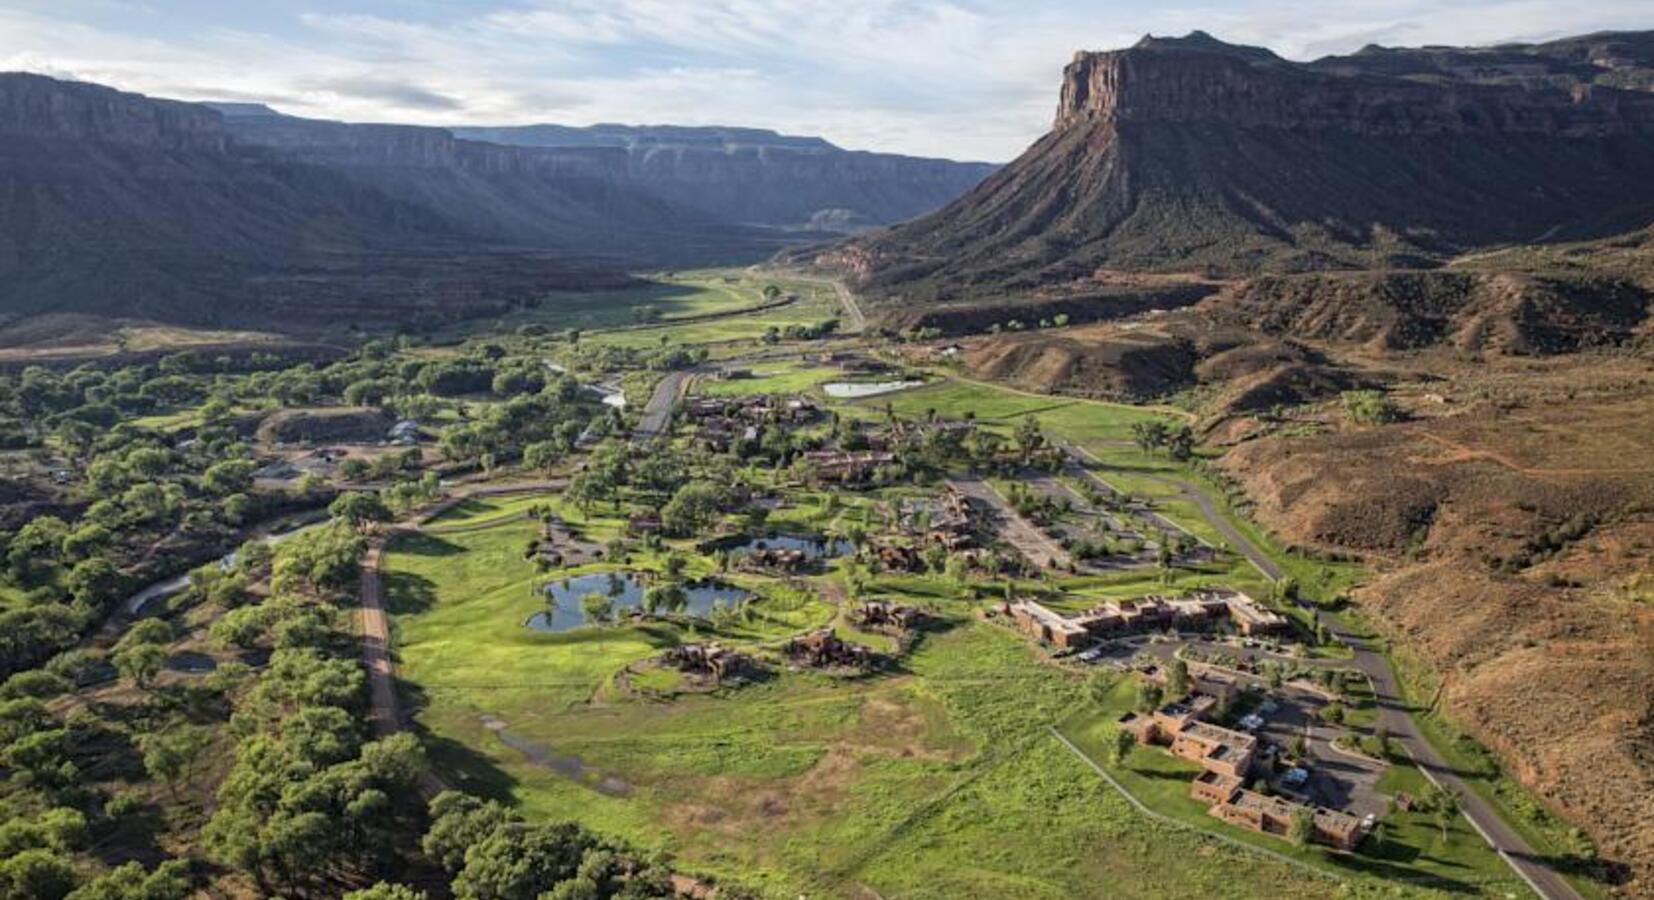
(1119,746)
(596,607)
(359,508)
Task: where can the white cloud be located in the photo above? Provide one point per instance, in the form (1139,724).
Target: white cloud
(960,78)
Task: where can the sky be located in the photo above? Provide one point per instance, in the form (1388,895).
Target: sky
(964,79)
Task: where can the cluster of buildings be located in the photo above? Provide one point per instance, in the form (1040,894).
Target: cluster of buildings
(1200,610)
(823,649)
(722,422)
(846,467)
(1227,758)
(948,520)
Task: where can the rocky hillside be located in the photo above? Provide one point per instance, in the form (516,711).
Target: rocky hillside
(119,204)
(1191,155)
(761,177)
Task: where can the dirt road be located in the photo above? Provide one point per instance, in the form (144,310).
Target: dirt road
(385,712)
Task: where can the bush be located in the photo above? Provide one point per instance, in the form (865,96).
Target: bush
(1370,408)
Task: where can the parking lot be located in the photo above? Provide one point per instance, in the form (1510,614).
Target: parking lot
(1336,779)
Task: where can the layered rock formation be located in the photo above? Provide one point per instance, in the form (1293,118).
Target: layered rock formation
(119,204)
(1191,155)
(761,177)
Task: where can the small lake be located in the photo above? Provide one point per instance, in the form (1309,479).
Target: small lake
(813,548)
(625,592)
(851,390)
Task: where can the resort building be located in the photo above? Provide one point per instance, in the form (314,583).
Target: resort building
(1051,627)
(1201,610)
(1273,815)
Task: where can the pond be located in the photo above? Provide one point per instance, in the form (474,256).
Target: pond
(813,548)
(850,390)
(625,593)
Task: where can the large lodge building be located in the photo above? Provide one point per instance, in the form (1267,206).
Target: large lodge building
(1199,610)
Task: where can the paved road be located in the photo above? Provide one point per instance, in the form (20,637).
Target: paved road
(1242,544)
(1394,714)
(657,413)
(855,322)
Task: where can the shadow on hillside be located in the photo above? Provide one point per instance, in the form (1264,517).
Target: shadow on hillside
(423,544)
(458,765)
(407,593)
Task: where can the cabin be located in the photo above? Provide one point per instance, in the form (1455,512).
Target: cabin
(822,649)
(877,614)
(713,661)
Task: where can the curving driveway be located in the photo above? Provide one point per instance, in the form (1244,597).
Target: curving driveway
(1394,713)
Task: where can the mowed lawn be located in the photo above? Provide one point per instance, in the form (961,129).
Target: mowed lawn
(1090,423)
(936,780)
(774,378)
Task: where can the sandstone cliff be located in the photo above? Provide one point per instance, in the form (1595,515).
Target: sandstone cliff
(1191,155)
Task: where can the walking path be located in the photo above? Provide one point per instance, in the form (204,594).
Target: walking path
(385,712)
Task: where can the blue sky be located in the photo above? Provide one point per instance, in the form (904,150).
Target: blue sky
(958,78)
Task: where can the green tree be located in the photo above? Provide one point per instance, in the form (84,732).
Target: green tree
(170,756)
(1302,826)
(695,507)
(130,881)
(36,874)
(1029,437)
(1099,686)
(1370,408)
(457,822)
(359,508)
(1444,806)
(518,861)
(1150,435)
(232,476)
(95,582)
(1180,443)
(140,662)
(1119,744)
(542,455)
(386,891)
(1177,677)
(1149,696)
(598,608)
